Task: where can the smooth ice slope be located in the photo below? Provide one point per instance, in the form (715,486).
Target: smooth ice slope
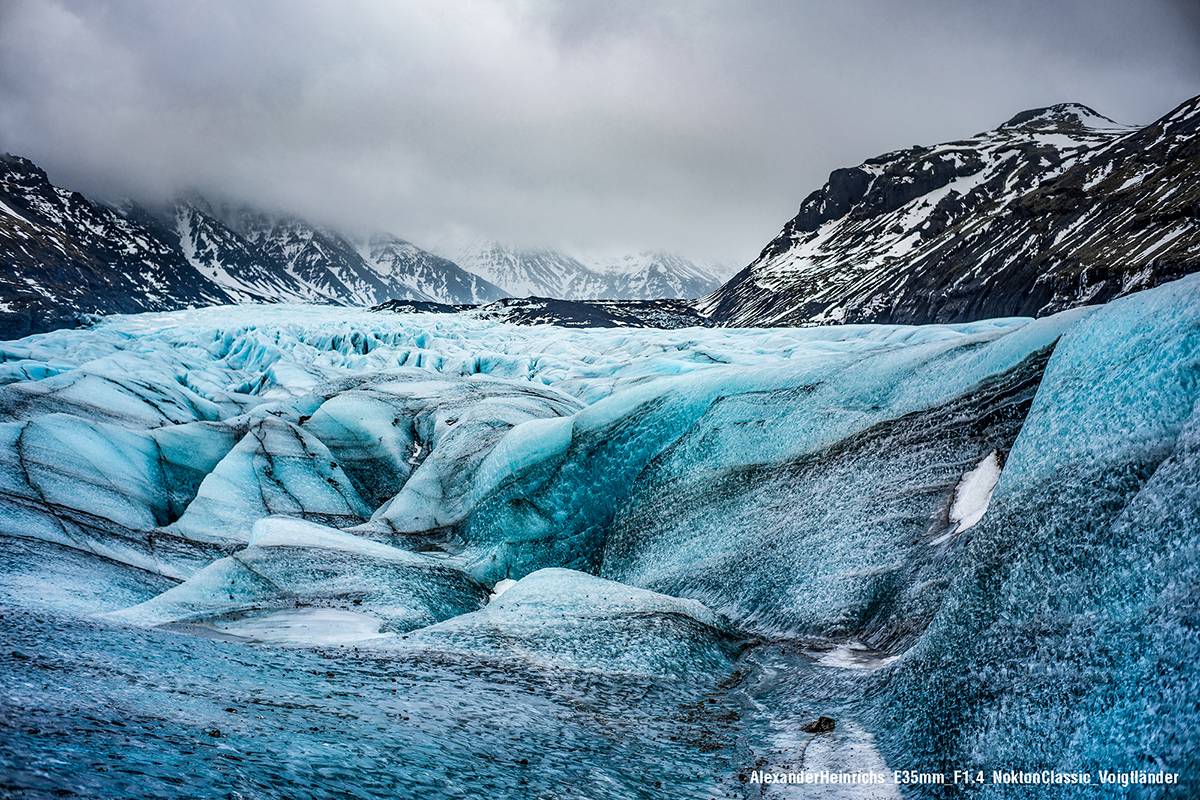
(1069,640)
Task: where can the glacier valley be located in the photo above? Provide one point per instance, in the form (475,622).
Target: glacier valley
(294,550)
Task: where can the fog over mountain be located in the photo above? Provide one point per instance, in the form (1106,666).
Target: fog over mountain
(689,127)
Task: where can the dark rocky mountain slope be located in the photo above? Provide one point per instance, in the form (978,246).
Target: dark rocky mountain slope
(1058,207)
(64,257)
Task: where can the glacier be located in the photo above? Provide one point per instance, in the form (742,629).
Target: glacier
(293,550)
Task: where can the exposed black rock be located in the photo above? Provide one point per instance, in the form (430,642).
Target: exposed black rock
(419,306)
(594,313)
(821,724)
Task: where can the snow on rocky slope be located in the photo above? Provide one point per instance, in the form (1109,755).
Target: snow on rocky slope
(425,275)
(240,267)
(649,274)
(527,272)
(555,274)
(332,267)
(65,257)
(1057,207)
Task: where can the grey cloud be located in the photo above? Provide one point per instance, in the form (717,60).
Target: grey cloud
(692,126)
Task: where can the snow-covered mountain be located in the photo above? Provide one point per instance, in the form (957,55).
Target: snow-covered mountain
(65,257)
(326,263)
(333,267)
(527,272)
(424,276)
(242,268)
(551,273)
(651,274)
(1057,207)
(62,256)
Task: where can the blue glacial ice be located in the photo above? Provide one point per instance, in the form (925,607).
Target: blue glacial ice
(434,555)
(276,468)
(294,570)
(1069,638)
(564,618)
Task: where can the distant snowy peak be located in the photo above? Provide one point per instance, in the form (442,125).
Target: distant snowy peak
(1058,207)
(321,259)
(237,265)
(326,266)
(541,272)
(527,272)
(415,274)
(646,260)
(648,275)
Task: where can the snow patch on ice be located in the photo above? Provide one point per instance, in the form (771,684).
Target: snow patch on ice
(974,493)
(502,586)
(853,655)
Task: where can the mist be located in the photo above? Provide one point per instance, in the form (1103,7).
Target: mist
(695,127)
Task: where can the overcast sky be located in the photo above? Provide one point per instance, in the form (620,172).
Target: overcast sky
(689,126)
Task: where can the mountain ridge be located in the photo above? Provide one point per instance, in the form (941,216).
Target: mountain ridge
(546,272)
(1057,207)
(67,257)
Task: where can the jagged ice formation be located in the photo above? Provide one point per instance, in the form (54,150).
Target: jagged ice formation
(439,554)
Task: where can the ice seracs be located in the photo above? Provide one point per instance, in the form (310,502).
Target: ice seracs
(566,619)
(381,533)
(276,468)
(308,584)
